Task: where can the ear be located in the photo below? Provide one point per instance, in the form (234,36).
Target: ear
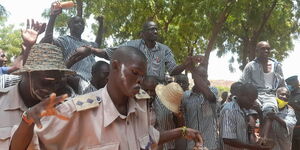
(115,65)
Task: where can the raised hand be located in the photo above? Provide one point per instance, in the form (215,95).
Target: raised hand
(56,9)
(31,33)
(46,108)
(198,59)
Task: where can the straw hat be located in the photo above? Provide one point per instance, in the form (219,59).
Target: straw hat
(170,95)
(44,57)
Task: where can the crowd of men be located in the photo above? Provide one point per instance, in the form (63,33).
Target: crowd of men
(56,96)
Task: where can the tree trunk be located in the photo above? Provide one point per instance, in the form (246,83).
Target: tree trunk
(100,33)
(255,37)
(215,31)
(245,53)
(79,8)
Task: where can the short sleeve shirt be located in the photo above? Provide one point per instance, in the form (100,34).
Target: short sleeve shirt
(69,44)
(159,59)
(4,70)
(233,125)
(200,114)
(102,127)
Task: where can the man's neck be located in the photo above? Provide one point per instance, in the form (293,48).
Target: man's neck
(263,60)
(150,43)
(76,35)
(120,101)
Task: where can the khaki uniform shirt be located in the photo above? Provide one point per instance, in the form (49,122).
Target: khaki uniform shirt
(95,123)
(11,110)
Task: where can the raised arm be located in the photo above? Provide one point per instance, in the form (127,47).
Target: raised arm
(29,37)
(190,59)
(202,84)
(54,12)
(100,30)
(83,52)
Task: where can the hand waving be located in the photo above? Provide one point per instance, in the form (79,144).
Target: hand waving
(31,33)
(46,108)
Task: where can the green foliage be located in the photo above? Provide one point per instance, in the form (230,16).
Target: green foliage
(10,38)
(222,89)
(186,25)
(242,31)
(10,41)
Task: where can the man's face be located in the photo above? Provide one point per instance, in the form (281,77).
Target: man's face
(44,83)
(130,76)
(263,49)
(3,58)
(283,94)
(150,31)
(100,77)
(77,25)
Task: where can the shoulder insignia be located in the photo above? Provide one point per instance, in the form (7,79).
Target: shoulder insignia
(4,90)
(87,101)
(142,95)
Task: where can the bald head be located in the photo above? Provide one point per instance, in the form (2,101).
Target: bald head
(147,24)
(126,54)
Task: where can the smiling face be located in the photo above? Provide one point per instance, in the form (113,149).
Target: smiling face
(43,83)
(76,25)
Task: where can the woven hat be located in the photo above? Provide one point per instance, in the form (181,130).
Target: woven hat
(44,57)
(170,95)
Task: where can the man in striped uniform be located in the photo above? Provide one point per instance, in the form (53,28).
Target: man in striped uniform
(233,122)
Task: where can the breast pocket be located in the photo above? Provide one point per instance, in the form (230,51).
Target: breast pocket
(107,146)
(5,133)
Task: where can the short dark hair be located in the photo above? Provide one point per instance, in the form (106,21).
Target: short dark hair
(247,88)
(235,87)
(98,65)
(125,53)
(71,20)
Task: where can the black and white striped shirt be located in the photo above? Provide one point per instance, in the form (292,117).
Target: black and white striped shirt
(7,80)
(233,125)
(69,44)
(200,114)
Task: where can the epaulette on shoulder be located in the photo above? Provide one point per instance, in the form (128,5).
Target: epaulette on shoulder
(142,95)
(87,101)
(4,90)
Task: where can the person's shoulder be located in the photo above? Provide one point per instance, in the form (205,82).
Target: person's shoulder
(163,46)
(5,91)
(87,101)
(230,106)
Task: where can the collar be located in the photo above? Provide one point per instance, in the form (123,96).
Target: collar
(11,99)
(110,111)
(155,48)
